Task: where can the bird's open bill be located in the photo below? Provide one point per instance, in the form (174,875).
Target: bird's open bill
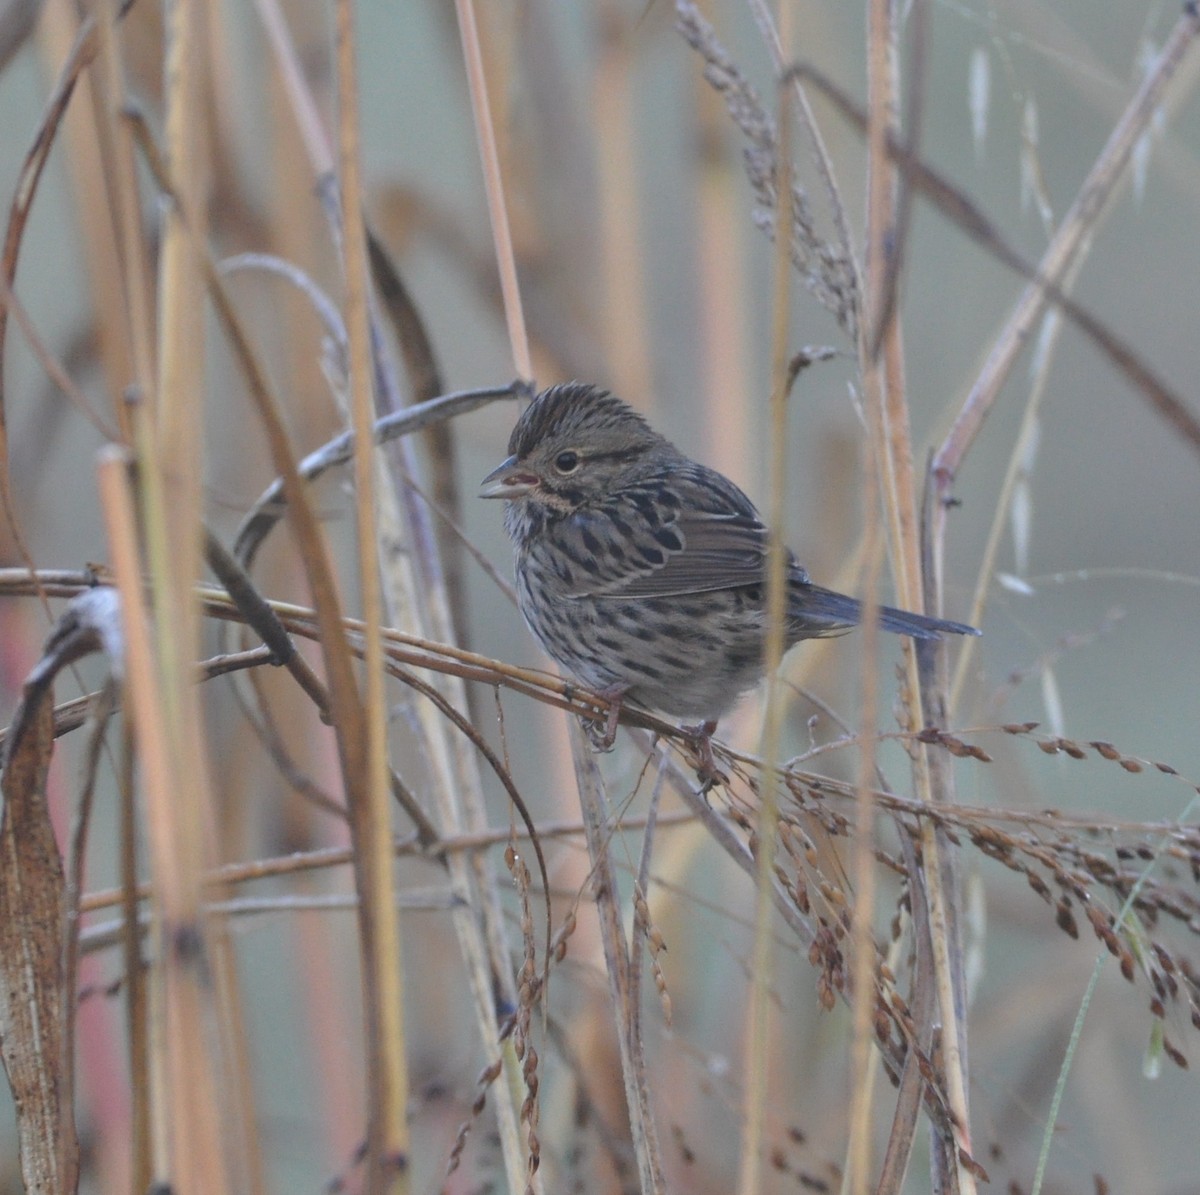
(507,481)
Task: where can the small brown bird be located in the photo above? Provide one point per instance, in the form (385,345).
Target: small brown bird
(642,572)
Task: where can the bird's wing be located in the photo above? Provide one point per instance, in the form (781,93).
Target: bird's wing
(710,539)
(716,552)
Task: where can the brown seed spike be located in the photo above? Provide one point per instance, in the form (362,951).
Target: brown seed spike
(1074,750)
(1066,922)
(1131,765)
(1175,1055)
(972,1165)
(961,750)
(1038,885)
(1166,768)
(834,895)
(1049,746)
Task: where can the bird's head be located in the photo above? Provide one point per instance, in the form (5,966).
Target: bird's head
(572,446)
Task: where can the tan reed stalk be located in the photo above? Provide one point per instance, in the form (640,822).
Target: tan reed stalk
(757,1081)
(178,425)
(387,1136)
(187,1130)
(626,321)
(890,477)
(887,404)
(137,1012)
(56,30)
(514,313)
(880,210)
(187,1125)
(888,481)
(325,1008)
(117,157)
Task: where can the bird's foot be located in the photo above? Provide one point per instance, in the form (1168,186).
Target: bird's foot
(602,733)
(708,773)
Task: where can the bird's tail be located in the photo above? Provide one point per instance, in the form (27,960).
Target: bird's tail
(921,626)
(827,612)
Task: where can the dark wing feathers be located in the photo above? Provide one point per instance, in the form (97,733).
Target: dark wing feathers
(647,545)
(716,552)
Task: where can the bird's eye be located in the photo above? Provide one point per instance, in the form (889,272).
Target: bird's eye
(567,462)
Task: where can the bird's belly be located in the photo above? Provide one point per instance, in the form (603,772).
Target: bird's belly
(690,657)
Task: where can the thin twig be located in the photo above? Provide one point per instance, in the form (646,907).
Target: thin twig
(617,967)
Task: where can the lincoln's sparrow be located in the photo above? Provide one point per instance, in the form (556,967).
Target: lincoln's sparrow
(641,572)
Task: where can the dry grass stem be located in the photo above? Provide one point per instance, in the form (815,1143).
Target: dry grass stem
(758,1030)
(617,964)
(387,1160)
(485,136)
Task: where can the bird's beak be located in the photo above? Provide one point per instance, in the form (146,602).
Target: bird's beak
(507,481)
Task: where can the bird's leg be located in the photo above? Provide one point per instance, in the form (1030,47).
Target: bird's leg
(603,734)
(708,773)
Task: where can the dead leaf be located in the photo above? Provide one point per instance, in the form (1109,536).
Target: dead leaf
(34,1021)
